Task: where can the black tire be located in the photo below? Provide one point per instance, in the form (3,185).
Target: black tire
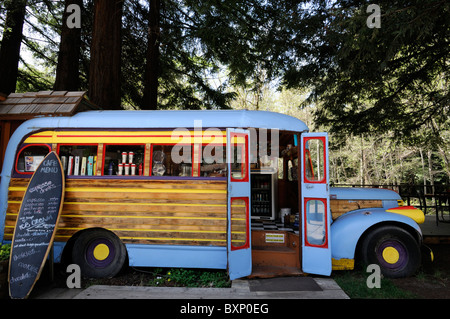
(394,249)
(99,253)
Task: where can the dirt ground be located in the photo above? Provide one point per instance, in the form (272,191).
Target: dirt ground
(433,278)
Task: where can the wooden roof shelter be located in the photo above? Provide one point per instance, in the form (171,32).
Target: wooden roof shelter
(19,107)
(24,106)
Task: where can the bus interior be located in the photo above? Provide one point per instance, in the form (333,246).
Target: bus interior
(275,187)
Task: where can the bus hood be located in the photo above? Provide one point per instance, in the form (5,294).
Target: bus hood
(353,193)
(390,200)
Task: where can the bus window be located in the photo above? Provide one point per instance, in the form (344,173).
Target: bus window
(30,157)
(124,160)
(213,161)
(315,222)
(171,160)
(238,157)
(78,159)
(314,161)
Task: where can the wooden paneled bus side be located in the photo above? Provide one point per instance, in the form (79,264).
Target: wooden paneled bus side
(145,209)
(147,212)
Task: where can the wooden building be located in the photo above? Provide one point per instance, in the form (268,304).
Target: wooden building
(16,108)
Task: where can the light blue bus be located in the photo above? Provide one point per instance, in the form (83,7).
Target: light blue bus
(205,189)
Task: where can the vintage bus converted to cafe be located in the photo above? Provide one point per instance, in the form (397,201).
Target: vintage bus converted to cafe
(246,191)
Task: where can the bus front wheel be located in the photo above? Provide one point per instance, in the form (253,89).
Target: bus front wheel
(394,249)
(99,253)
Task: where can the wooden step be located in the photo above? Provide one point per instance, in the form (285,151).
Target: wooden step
(275,256)
(273,271)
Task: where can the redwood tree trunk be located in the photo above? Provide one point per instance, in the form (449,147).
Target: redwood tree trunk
(10,49)
(104,72)
(150,99)
(67,70)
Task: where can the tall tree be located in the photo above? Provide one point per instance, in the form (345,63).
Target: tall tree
(104,72)
(204,49)
(368,79)
(10,46)
(150,98)
(67,69)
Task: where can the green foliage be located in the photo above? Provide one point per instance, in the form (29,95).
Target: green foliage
(164,277)
(387,87)
(199,43)
(32,80)
(388,79)
(5,251)
(361,79)
(197,278)
(42,41)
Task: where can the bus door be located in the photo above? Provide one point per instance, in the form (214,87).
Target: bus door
(238,229)
(316,245)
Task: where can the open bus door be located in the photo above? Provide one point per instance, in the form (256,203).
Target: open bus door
(316,245)
(238,230)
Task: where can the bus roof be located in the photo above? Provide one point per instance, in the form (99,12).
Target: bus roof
(172,119)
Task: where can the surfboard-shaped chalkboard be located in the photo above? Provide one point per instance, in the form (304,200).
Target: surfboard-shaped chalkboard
(35,226)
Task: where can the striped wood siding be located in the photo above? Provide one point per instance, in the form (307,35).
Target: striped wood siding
(342,206)
(178,212)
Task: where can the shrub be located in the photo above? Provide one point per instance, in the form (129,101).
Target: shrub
(5,250)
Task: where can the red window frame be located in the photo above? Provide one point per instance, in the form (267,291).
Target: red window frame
(20,151)
(247,228)
(325,222)
(306,151)
(244,165)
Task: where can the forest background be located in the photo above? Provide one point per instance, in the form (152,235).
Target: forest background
(382,92)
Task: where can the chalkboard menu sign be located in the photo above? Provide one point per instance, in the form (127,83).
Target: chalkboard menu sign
(35,226)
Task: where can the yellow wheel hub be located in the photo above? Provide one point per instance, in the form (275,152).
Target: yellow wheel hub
(101,252)
(391,255)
